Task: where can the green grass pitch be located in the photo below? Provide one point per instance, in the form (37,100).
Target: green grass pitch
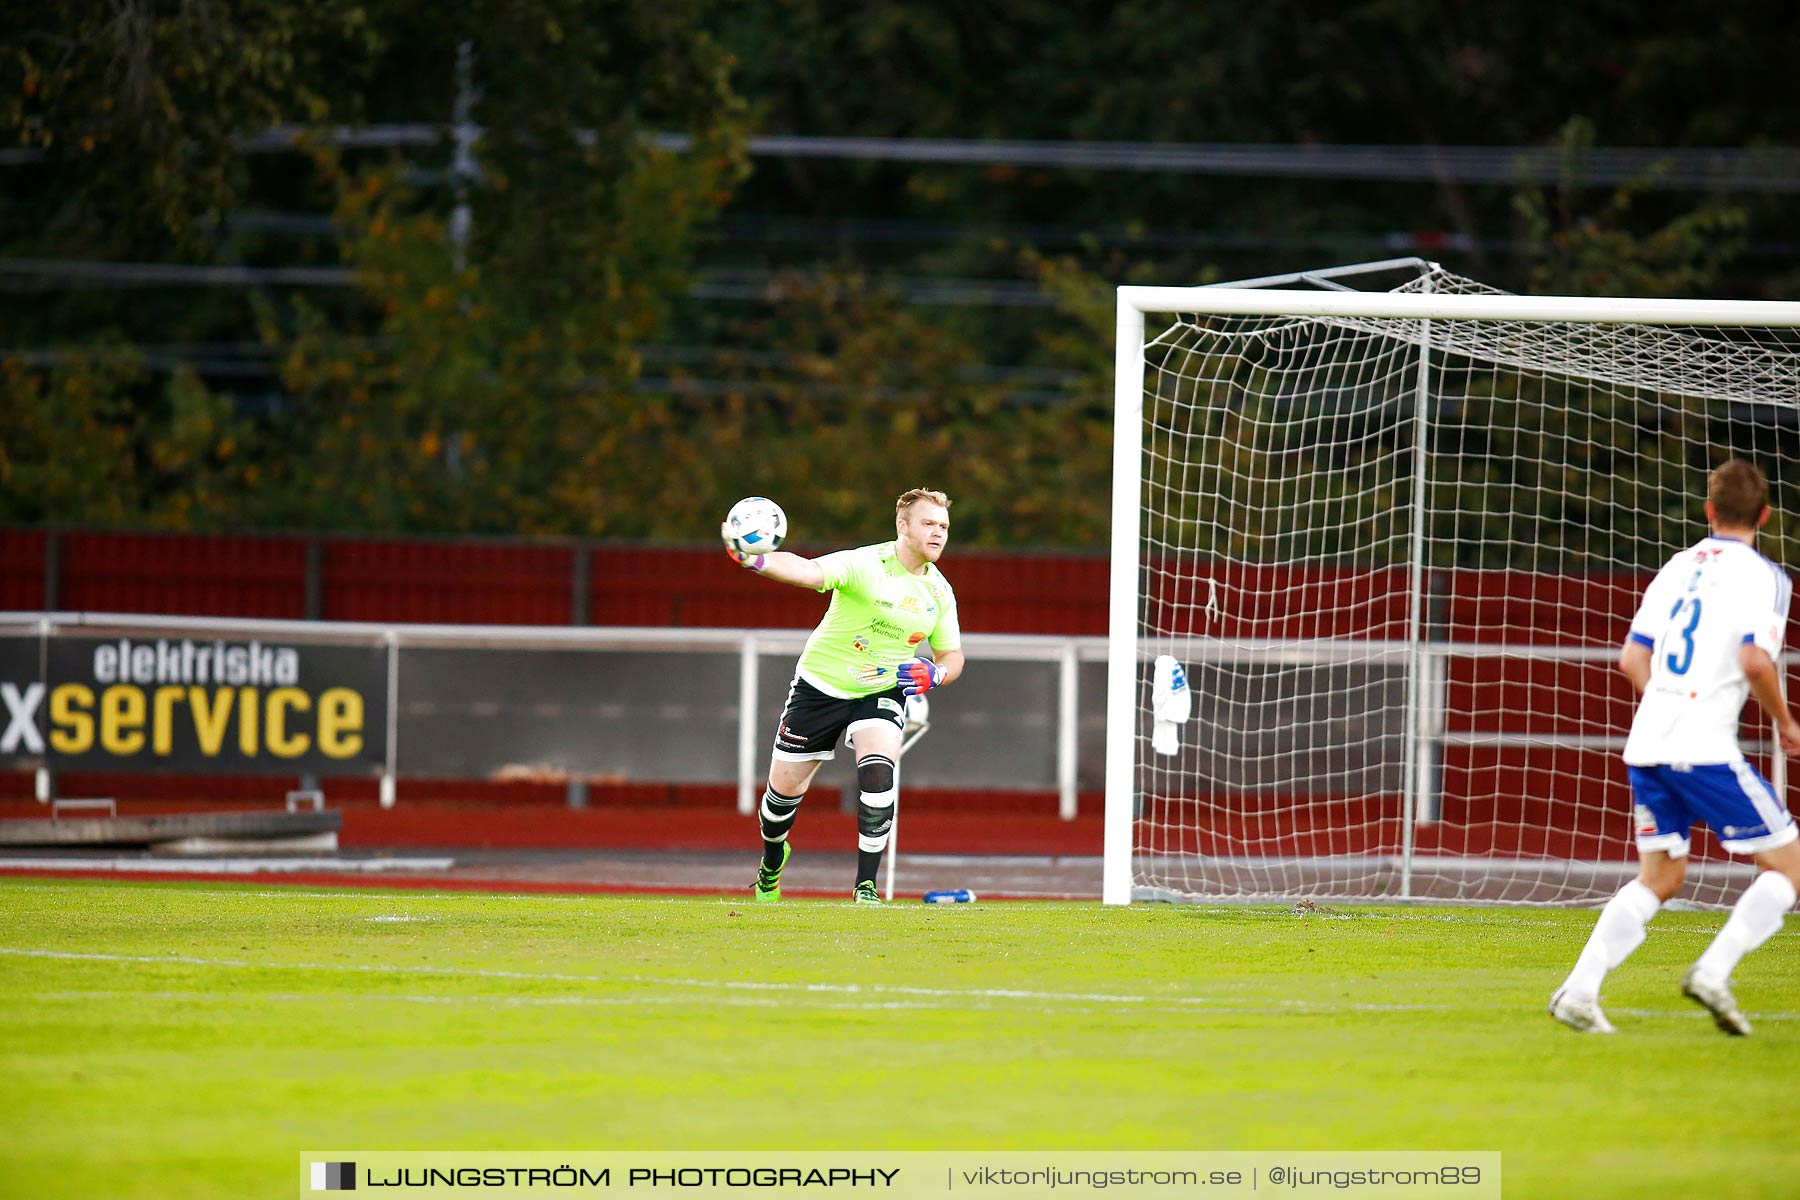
(189,1040)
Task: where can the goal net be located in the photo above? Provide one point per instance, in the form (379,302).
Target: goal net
(1395,540)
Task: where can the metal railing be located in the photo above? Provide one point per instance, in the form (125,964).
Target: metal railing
(754,721)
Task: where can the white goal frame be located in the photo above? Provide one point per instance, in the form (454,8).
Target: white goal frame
(1125,653)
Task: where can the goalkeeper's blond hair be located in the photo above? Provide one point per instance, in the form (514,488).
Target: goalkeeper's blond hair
(913,496)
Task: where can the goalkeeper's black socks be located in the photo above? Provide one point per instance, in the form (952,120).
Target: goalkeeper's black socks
(776,817)
(772,854)
(868,862)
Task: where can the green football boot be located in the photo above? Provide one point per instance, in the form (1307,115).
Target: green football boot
(768,883)
(865,893)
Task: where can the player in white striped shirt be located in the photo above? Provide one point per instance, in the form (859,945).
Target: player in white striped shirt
(1707,635)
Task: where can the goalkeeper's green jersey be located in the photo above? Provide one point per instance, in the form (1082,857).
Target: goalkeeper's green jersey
(878,616)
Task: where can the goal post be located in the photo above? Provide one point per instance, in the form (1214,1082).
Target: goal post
(1394,538)
(1124,701)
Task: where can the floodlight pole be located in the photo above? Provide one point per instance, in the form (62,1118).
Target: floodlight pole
(462,166)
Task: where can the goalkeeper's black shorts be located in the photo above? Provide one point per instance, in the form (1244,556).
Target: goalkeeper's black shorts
(812,722)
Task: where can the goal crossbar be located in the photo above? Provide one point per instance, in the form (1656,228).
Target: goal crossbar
(1431,306)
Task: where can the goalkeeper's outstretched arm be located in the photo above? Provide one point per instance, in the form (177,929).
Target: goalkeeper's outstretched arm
(780,566)
(783,567)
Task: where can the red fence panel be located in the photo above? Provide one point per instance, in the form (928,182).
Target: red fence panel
(1541,696)
(448,582)
(22,569)
(1205,598)
(212,574)
(1030,593)
(995,592)
(689,587)
(1544,610)
(519,582)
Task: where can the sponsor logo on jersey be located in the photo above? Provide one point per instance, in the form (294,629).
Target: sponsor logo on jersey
(913,639)
(860,645)
(909,603)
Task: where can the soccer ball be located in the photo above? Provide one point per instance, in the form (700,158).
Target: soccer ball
(755,525)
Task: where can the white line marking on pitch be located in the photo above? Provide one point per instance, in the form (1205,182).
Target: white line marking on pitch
(1351,912)
(835,989)
(1696,1014)
(229,866)
(237,998)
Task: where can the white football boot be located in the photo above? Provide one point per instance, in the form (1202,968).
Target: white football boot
(1717,999)
(1579,1014)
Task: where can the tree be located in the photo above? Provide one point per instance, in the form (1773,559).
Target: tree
(484,373)
(479,367)
(136,108)
(95,440)
(460,376)
(1593,251)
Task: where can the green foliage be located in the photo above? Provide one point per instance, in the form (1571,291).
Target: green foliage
(1264,447)
(468,390)
(871,398)
(65,442)
(1285,71)
(1520,478)
(487,377)
(1596,252)
(136,107)
(1256,454)
(96,441)
(465,384)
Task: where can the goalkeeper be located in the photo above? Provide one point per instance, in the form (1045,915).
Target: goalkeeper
(855,673)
